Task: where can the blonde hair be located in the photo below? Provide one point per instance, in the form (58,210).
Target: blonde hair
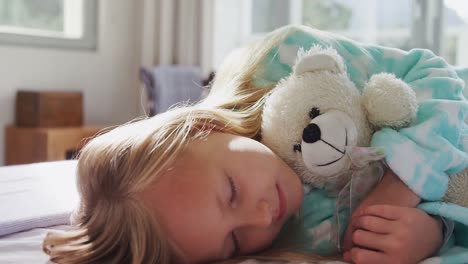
(112,225)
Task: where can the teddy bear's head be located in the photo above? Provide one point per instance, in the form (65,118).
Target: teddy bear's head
(314,117)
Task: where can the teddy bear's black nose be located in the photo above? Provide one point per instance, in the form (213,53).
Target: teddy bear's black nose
(311,133)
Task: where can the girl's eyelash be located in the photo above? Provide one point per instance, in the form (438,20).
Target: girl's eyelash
(236,244)
(233,190)
(231,200)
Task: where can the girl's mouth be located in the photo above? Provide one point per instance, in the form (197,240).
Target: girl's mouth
(282,203)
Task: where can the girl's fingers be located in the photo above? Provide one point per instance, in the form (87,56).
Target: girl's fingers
(347,239)
(374,224)
(388,212)
(365,256)
(370,240)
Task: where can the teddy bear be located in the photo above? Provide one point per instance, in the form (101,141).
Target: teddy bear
(321,124)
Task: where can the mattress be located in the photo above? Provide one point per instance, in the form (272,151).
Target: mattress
(36,195)
(34,199)
(25,247)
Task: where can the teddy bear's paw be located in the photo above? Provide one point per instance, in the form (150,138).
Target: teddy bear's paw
(457,189)
(389,101)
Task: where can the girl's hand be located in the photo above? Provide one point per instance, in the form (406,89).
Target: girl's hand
(390,190)
(393,234)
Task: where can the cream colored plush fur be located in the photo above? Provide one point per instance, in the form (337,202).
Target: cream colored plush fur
(458,189)
(347,118)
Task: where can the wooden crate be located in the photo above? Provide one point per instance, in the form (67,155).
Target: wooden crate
(28,145)
(49,109)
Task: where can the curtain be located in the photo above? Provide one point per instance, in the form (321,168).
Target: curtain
(174,33)
(177,32)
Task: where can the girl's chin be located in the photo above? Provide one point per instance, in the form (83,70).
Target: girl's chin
(294,204)
(296,199)
(293,190)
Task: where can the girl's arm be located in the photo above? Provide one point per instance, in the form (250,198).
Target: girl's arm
(384,193)
(391,191)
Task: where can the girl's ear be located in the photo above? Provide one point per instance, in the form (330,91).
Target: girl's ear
(318,59)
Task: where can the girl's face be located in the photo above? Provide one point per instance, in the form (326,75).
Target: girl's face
(227,195)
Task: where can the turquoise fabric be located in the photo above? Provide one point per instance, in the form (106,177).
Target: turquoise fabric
(424,153)
(318,222)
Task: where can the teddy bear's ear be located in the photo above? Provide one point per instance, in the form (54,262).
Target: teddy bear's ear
(317,59)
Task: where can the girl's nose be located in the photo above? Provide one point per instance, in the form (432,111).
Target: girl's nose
(262,216)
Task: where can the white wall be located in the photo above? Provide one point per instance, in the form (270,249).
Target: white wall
(108,76)
(226,36)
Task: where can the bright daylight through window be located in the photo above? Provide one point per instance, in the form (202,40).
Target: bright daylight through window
(57,23)
(388,23)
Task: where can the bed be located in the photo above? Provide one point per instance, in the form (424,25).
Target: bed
(34,199)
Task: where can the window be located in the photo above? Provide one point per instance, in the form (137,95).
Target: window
(49,23)
(456,32)
(402,24)
(273,14)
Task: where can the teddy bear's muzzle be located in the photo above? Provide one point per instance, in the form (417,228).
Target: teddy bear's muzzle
(325,141)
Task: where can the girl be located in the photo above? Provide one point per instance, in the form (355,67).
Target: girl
(194,185)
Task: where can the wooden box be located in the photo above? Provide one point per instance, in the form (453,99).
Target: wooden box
(28,145)
(49,109)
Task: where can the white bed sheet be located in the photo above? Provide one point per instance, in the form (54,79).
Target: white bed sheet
(25,247)
(36,195)
(33,198)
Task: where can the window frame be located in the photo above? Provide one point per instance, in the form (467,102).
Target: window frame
(87,41)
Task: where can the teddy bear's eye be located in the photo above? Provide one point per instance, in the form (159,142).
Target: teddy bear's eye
(297,148)
(314,112)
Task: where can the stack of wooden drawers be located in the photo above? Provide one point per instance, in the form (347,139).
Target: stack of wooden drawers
(48,126)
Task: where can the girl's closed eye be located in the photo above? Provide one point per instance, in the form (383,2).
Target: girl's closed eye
(233,186)
(232,201)
(236,245)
